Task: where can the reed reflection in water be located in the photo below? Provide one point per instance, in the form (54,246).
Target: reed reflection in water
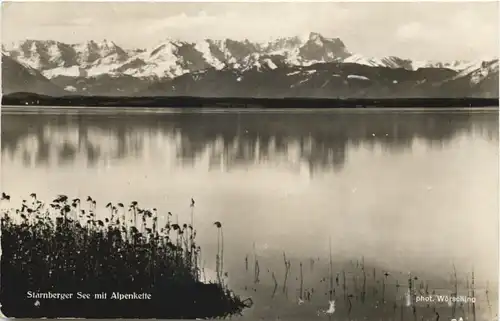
(401,189)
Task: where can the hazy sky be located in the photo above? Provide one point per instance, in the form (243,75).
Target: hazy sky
(417,30)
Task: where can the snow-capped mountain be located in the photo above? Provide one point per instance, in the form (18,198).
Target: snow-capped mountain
(389,62)
(335,80)
(482,78)
(172,58)
(306,61)
(396,62)
(478,72)
(457,65)
(54,58)
(313,48)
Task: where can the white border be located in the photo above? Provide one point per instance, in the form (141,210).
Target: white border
(5,3)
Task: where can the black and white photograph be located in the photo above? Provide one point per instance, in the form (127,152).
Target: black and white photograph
(250,160)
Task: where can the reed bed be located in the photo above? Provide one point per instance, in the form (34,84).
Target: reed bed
(65,247)
(357,290)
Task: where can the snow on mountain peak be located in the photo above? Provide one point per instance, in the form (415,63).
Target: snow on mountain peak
(204,48)
(307,49)
(173,57)
(90,51)
(479,71)
(283,43)
(314,36)
(457,65)
(388,62)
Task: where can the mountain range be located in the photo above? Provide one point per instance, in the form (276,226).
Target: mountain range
(300,66)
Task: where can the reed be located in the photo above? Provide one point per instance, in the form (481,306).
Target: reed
(455,292)
(473,295)
(383,286)
(344,284)
(330,292)
(363,293)
(219,258)
(256,268)
(64,248)
(275,285)
(487,294)
(287,272)
(301,291)
(468,293)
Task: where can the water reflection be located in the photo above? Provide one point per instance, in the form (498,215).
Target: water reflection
(403,190)
(316,141)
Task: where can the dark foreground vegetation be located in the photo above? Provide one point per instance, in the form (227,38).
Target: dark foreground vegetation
(66,247)
(29,99)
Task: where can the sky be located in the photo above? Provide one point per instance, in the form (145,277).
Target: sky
(440,31)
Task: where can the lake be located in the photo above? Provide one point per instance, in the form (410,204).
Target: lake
(403,190)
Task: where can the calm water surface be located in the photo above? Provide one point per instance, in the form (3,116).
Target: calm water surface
(406,190)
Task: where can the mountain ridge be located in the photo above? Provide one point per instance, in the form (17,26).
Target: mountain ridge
(54,58)
(313,65)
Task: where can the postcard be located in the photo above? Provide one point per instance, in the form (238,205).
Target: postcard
(250,160)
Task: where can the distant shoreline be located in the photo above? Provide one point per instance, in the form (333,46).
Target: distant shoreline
(34,100)
(94,110)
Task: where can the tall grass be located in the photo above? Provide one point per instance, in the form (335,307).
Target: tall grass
(288,266)
(65,247)
(353,294)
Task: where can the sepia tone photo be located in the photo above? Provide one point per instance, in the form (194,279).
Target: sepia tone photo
(250,161)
